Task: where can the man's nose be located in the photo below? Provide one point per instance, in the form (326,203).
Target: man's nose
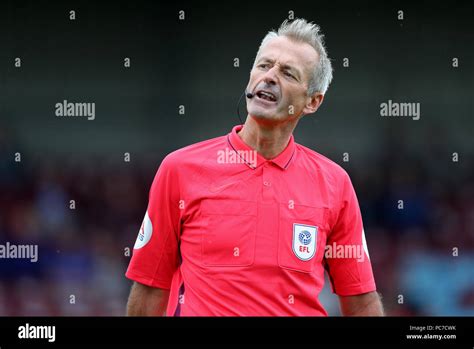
(270,76)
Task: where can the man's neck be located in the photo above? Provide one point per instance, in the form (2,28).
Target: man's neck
(268,140)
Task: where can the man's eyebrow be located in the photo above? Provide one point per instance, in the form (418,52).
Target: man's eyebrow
(266,59)
(284,66)
(290,67)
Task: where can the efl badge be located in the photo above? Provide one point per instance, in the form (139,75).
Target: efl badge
(304,241)
(144,235)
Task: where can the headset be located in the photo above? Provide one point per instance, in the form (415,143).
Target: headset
(248,95)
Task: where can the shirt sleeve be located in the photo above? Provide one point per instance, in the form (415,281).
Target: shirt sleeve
(350,272)
(156,251)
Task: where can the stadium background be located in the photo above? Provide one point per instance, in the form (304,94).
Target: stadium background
(191,63)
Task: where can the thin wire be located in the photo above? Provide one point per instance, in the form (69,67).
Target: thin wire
(238,104)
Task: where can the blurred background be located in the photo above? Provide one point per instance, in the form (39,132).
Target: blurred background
(422,255)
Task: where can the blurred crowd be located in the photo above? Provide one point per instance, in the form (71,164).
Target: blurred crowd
(422,252)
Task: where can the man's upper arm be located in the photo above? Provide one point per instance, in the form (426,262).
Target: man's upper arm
(156,252)
(351,274)
(147,301)
(367,304)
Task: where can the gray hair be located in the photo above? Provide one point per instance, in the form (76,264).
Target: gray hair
(300,30)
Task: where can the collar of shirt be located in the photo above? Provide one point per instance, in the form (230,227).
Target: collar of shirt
(282,160)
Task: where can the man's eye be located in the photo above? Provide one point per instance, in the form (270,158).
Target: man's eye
(263,65)
(289,75)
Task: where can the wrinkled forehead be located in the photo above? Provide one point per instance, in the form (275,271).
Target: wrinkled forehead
(289,52)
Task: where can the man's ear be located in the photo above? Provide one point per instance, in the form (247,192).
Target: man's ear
(313,103)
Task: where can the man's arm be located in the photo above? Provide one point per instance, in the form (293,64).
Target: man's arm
(147,301)
(367,304)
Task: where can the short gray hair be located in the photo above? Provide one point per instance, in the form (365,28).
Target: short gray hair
(300,30)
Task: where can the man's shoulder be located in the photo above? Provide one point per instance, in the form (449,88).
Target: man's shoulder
(196,152)
(323,163)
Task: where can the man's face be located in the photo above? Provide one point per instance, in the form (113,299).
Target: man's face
(283,68)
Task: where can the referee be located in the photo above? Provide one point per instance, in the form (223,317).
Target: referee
(246,224)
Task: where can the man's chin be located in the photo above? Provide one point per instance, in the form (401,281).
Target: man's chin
(263,116)
(266,118)
(263,112)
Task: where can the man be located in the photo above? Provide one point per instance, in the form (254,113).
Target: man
(246,224)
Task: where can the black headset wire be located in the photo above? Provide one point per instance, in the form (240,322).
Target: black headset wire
(238,105)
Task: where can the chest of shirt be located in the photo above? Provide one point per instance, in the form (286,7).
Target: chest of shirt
(261,217)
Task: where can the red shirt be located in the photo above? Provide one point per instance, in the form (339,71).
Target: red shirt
(231,233)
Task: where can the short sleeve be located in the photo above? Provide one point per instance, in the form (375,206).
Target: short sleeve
(346,256)
(156,251)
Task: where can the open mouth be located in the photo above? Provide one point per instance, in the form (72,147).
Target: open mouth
(267,96)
